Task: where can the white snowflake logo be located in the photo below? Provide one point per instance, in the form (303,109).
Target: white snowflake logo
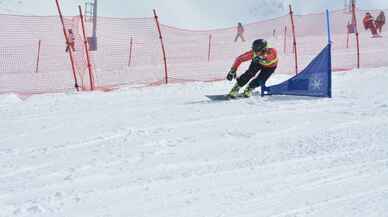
(316,82)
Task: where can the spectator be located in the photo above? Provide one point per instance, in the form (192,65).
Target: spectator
(380,21)
(240,32)
(71,41)
(369,23)
(351,28)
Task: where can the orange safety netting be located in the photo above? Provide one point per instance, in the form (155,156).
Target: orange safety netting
(33,57)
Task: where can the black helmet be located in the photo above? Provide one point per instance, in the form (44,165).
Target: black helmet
(259,45)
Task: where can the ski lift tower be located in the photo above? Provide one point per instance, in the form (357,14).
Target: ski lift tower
(348,6)
(91,18)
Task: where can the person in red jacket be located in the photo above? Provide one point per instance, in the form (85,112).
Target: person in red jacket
(369,23)
(263,59)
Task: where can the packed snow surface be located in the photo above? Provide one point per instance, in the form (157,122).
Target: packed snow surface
(167,151)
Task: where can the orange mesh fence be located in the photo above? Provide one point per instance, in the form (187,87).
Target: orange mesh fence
(129,50)
(311,38)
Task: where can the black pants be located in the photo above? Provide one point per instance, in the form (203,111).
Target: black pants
(239,35)
(253,69)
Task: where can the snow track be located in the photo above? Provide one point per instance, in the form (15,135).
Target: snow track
(167,152)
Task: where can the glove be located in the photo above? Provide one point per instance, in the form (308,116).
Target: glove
(231,75)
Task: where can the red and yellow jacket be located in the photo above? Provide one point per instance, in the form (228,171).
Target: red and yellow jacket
(268,60)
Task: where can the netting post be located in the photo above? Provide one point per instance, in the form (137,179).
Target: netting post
(38,57)
(130,51)
(86,45)
(68,43)
(285,39)
(210,46)
(294,39)
(357,35)
(162,44)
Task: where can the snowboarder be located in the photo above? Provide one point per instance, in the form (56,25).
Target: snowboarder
(380,21)
(369,23)
(240,32)
(71,42)
(263,58)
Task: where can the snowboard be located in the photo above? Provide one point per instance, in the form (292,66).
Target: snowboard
(225,97)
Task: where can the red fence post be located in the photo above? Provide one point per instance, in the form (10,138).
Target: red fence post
(210,47)
(162,44)
(294,39)
(130,52)
(67,42)
(38,57)
(357,36)
(86,45)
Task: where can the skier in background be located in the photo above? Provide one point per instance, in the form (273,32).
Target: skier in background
(380,21)
(369,23)
(71,43)
(240,32)
(263,58)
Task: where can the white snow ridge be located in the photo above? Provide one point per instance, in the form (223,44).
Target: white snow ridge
(167,151)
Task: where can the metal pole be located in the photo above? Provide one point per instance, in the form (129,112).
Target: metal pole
(162,44)
(95,19)
(329,44)
(294,40)
(328,26)
(130,52)
(285,39)
(86,45)
(70,50)
(210,46)
(38,57)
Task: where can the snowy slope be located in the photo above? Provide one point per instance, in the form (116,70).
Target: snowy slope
(167,151)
